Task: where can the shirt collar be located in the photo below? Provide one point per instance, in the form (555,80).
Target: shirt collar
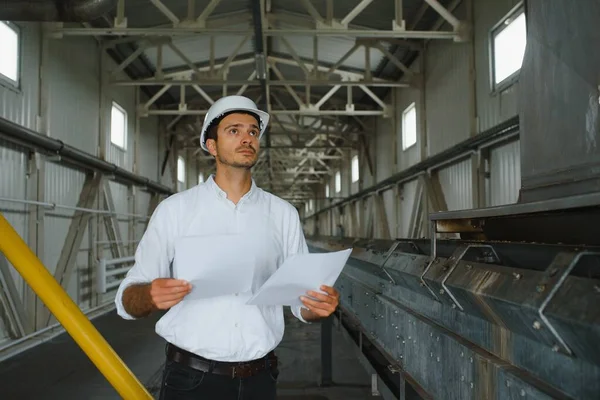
(249,196)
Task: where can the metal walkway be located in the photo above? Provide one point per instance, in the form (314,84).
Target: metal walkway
(58,369)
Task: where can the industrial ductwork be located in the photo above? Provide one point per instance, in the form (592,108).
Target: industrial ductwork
(57,10)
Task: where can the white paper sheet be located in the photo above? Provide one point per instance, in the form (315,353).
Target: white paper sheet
(215,265)
(299,274)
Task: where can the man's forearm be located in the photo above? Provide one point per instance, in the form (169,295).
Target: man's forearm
(137,300)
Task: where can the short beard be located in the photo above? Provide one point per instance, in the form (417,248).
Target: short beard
(246,166)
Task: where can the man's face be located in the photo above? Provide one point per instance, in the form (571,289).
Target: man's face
(237,145)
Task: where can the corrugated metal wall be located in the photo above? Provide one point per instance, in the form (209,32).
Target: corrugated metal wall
(13,185)
(446,100)
(492,108)
(20,105)
(456,182)
(73,106)
(385,165)
(73,89)
(63,186)
(407,199)
(505,174)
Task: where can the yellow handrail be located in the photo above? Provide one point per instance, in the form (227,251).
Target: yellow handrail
(69,315)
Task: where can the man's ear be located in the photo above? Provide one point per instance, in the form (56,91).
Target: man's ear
(211,145)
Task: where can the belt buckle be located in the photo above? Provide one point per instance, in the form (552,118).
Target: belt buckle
(233,371)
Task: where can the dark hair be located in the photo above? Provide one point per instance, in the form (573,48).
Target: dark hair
(212,129)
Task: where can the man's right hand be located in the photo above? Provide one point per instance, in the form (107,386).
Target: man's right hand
(166,292)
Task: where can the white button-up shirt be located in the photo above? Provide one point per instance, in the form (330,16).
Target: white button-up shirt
(220,328)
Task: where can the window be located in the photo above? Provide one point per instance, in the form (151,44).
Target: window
(9,48)
(118,126)
(180,169)
(355,169)
(200,177)
(338,182)
(508,42)
(327,190)
(409,126)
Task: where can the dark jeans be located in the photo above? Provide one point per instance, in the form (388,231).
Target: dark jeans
(181,382)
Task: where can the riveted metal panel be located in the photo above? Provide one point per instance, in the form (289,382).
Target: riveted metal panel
(479,350)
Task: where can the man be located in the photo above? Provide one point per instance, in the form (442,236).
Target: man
(219,347)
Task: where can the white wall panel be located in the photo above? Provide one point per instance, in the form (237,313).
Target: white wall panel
(63,186)
(150,157)
(73,92)
(20,105)
(457,185)
(13,185)
(407,199)
(505,174)
(447,99)
(492,108)
(385,164)
(389,202)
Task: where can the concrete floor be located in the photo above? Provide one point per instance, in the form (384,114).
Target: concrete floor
(58,369)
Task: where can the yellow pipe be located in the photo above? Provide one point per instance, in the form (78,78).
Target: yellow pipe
(69,314)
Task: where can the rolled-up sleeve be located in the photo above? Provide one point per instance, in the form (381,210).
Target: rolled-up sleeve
(296,245)
(152,256)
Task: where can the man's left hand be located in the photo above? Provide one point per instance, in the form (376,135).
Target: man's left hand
(323,305)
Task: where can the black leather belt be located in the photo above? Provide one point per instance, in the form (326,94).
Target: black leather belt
(244,369)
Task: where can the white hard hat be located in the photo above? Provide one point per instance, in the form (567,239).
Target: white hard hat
(232,103)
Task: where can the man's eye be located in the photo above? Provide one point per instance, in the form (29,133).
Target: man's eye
(233,130)
(254,133)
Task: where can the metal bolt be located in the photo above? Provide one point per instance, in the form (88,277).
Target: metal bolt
(537,325)
(396,327)
(523,393)
(468,266)
(441,291)
(397,337)
(431,355)
(404,342)
(438,338)
(462,354)
(507,383)
(517,276)
(471,359)
(462,378)
(438,359)
(555,348)
(472,386)
(453,305)
(396,312)
(540,288)
(596,288)
(410,338)
(431,334)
